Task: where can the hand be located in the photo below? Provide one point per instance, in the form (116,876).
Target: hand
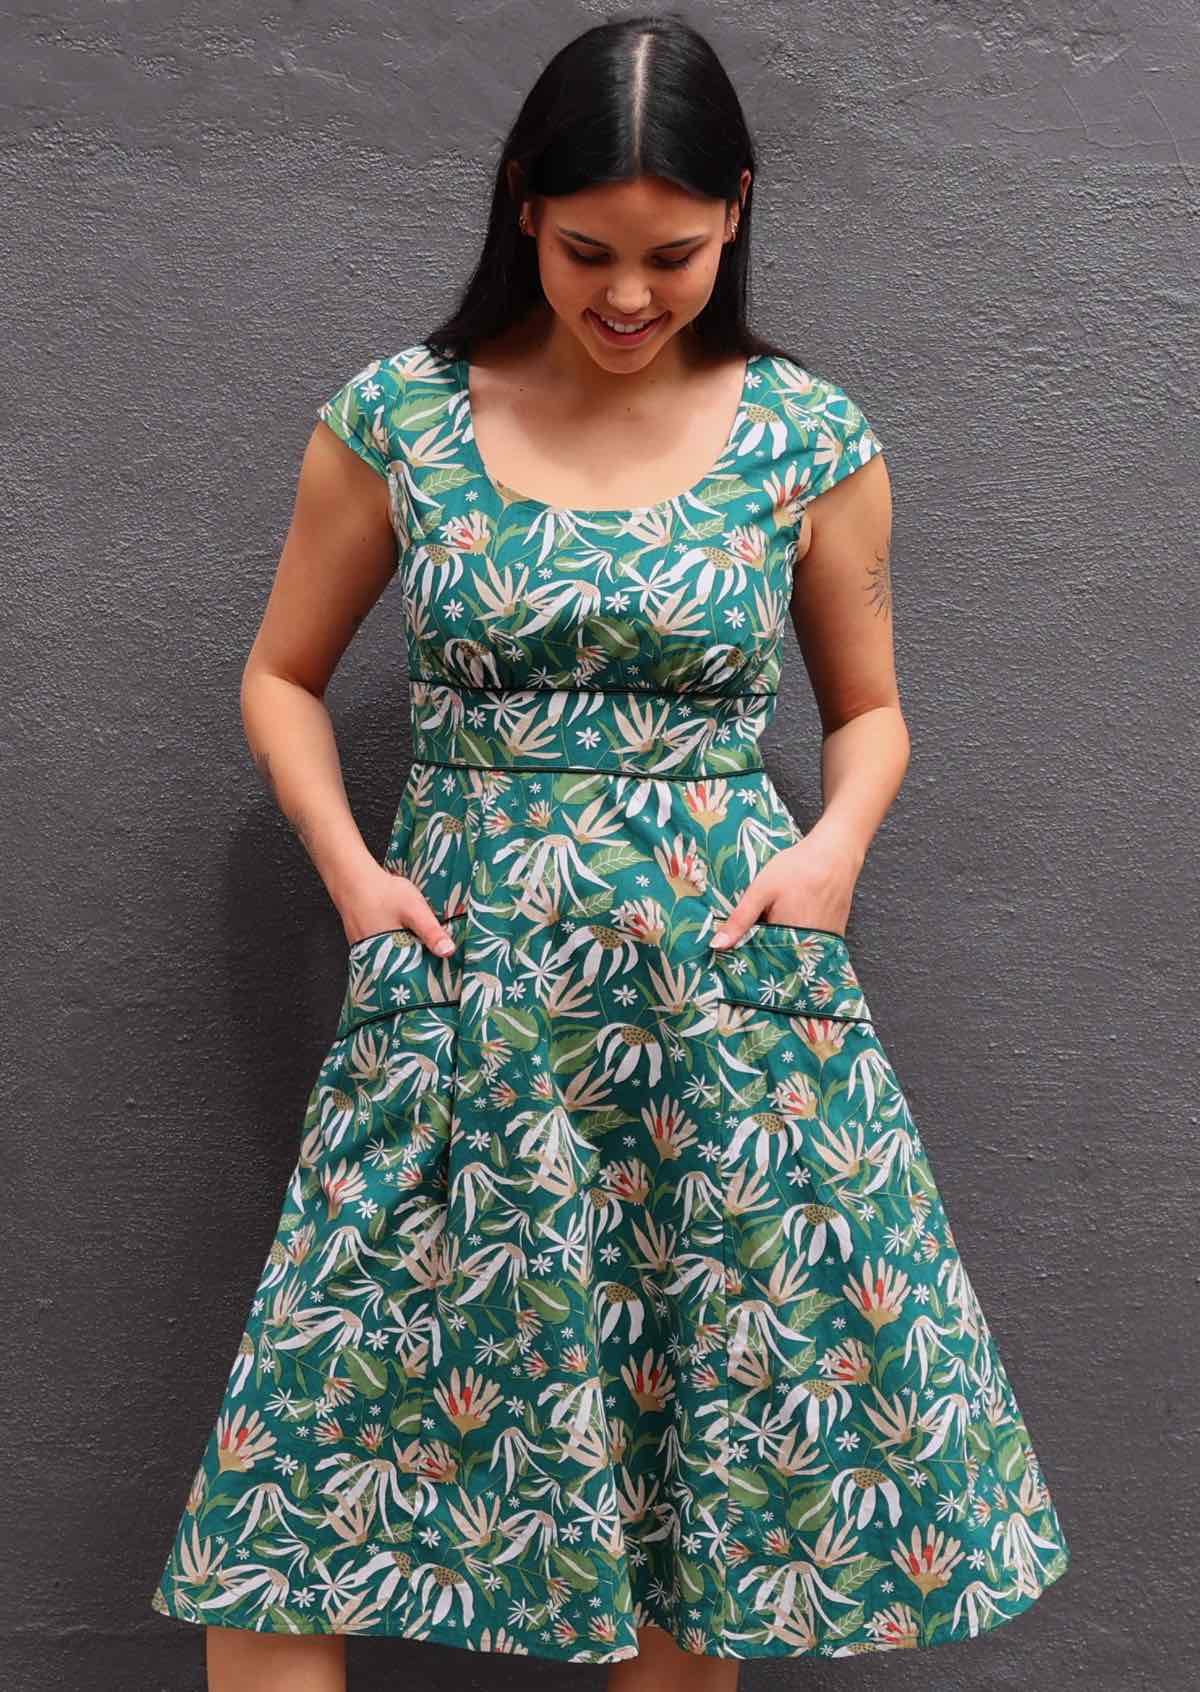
(805,885)
(382,900)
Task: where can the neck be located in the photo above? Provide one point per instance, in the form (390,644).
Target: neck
(568,367)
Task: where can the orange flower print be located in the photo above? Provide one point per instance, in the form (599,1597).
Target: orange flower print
(611,1286)
(469,1402)
(880,1294)
(649,1382)
(928,1560)
(242,1440)
(683,867)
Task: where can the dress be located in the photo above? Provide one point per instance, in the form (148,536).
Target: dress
(611,1284)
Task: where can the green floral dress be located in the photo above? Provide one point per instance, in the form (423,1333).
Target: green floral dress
(611,1285)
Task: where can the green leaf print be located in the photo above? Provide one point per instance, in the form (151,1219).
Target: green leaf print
(748,1486)
(570,1051)
(369,1375)
(750,1093)
(598,1122)
(405,1415)
(809,1305)
(615,857)
(760,1245)
(633,1342)
(579,790)
(691,1579)
(811,1508)
(576,1568)
(760,1038)
(519,1027)
(445,480)
(551,1300)
(852,1576)
(618,639)
(473,747)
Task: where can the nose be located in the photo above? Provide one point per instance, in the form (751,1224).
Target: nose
(631,304)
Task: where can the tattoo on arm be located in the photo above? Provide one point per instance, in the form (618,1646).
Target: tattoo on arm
(879,584)
(262,762)
(300,823)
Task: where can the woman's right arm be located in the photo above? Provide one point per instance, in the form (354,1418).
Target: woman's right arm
(339,555)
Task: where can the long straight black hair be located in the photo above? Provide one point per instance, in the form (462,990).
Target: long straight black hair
(640,96)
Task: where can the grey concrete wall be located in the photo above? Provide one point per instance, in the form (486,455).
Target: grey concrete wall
(983,221)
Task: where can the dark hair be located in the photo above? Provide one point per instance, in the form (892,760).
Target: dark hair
(641,96)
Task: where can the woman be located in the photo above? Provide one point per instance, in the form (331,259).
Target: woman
(612,1314)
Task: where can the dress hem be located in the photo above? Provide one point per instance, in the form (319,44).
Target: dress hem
(547,1653)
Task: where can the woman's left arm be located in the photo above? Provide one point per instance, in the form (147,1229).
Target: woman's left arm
(842,610)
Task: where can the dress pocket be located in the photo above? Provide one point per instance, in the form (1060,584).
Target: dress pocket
(791,970)
(793,1032)
(394,971)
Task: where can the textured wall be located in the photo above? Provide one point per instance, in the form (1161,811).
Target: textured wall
(983,221)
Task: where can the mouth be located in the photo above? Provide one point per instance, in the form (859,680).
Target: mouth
(625,336)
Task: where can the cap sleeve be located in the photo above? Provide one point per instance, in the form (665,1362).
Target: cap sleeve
(359,413)
(844,441)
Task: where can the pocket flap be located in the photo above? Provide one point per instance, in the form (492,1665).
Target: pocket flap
(394,971)
(796,971)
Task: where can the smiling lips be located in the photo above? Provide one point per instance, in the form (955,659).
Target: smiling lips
(638,331)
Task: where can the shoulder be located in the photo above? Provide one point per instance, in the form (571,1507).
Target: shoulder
(372,410)
(827,430)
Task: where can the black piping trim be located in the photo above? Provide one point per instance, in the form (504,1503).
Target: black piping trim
(654,692)
(787,928)
(589,769)
(402,1010)
(793,1010)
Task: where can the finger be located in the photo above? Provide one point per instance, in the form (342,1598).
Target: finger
(740,920)
(424,924)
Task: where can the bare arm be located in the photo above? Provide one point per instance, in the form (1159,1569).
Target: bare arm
(339,555)
(842,609)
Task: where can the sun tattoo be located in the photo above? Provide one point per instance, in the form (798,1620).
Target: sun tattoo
(879,584)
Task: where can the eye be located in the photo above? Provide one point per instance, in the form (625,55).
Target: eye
(663,264)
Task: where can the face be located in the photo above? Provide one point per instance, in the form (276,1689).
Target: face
(641,252)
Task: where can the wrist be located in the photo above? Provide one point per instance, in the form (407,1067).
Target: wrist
(346,877)
(840,838)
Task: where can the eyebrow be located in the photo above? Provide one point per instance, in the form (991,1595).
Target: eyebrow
(664,246)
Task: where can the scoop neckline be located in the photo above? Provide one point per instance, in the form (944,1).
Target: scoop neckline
(513,497)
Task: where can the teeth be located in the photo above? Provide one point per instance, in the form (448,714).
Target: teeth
(623,328)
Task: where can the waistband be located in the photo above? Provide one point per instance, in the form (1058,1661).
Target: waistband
(633,731)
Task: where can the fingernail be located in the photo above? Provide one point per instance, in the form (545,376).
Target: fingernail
(444,946)
(720,938)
